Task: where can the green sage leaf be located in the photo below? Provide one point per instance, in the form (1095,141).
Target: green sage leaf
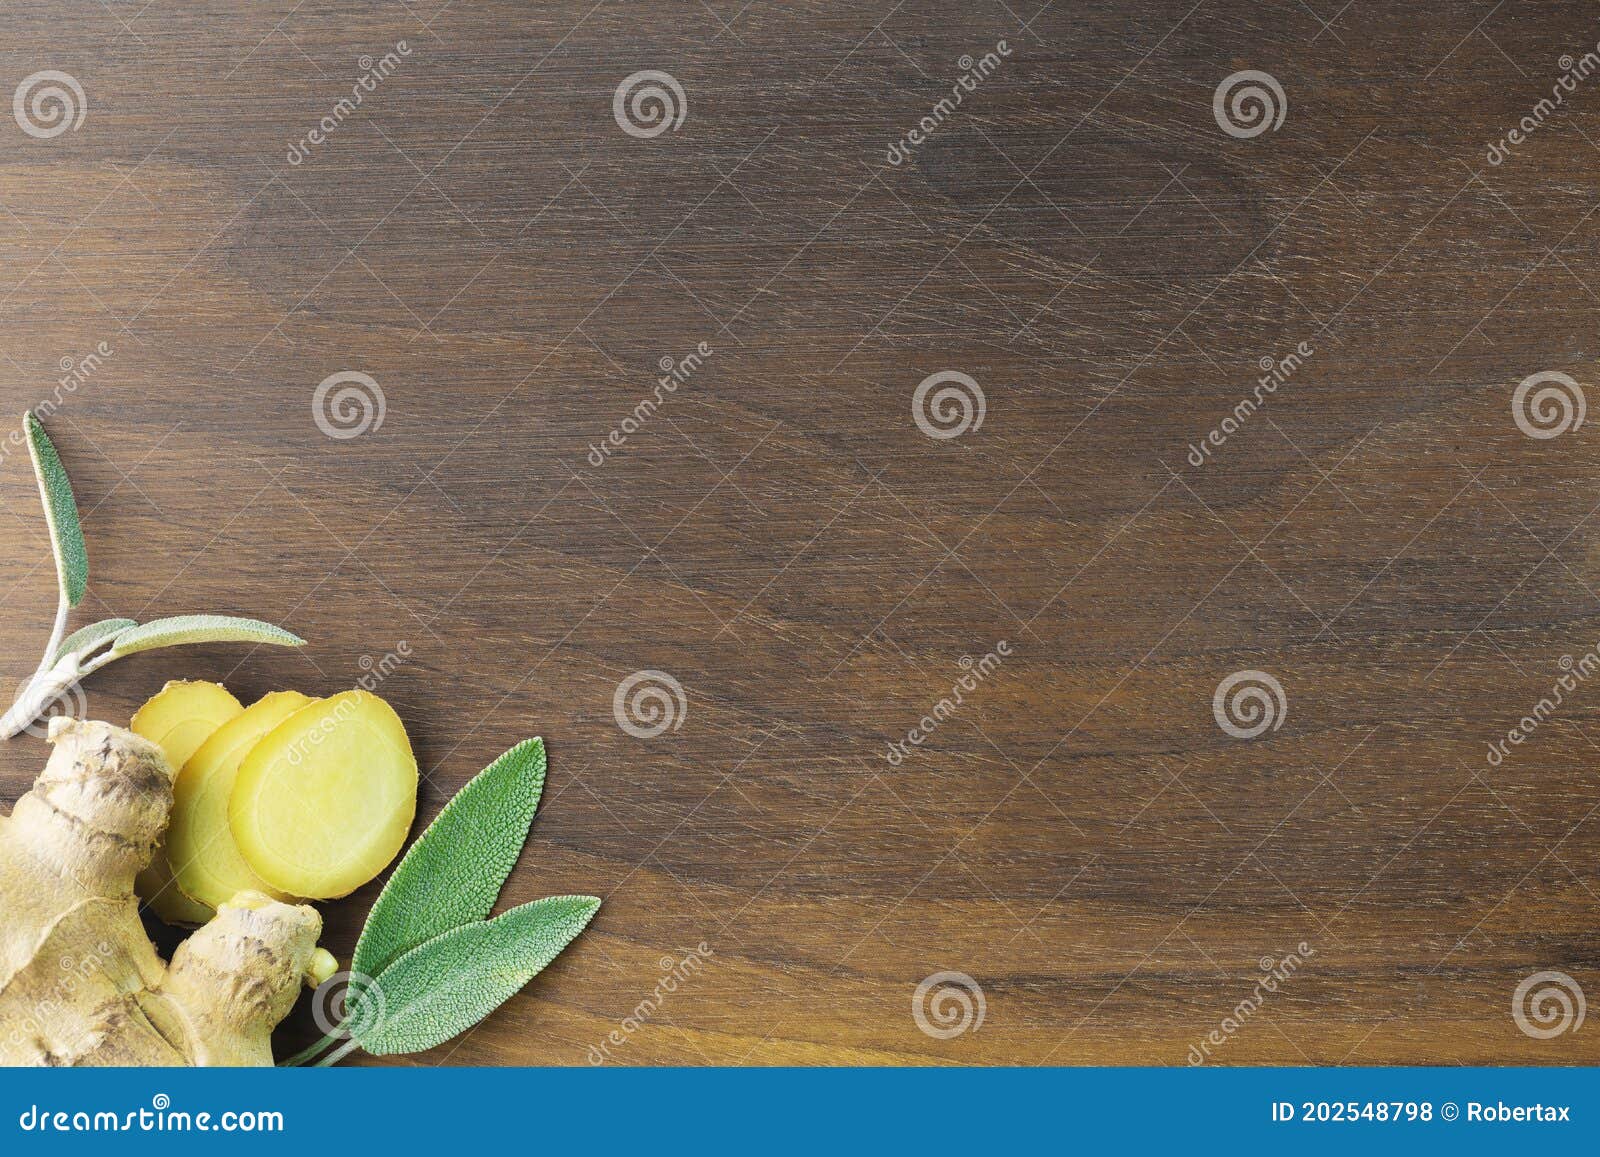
(86,639)
(201,629)
(60,513)
(450,983)
(454,871)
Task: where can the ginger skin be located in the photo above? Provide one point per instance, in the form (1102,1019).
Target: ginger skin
(80,983)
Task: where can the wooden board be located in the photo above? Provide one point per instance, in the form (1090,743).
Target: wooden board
(1079,236)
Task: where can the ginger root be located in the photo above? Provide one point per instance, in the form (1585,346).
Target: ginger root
(80,983)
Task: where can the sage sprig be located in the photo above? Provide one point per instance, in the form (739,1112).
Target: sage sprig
(450,983)
(429,965)
(454,872)
(68,658)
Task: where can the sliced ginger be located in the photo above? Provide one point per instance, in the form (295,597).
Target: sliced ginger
(323,802)
(205,860)
(178,719)
(182,716)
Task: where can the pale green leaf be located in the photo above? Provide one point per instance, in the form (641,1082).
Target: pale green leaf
(86,639)
(60,513)
(201,629)
(454,872)
(447,985)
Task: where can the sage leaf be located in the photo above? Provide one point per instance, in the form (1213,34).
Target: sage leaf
(454,871)
(60,513)
(201,629)
(448,984)
(67,659)
(86,639)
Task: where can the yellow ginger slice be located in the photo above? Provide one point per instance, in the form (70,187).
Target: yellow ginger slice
(206,862)
(178,719)
(323,802)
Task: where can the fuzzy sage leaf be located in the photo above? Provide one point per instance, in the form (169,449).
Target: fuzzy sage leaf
(86,639)
(448,984)
(200,629)
(60,513)
(453,873)
(67,659)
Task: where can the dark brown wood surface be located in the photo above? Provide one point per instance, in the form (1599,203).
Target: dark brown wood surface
(1079,236)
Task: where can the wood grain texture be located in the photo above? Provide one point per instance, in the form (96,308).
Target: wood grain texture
(1080,236)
